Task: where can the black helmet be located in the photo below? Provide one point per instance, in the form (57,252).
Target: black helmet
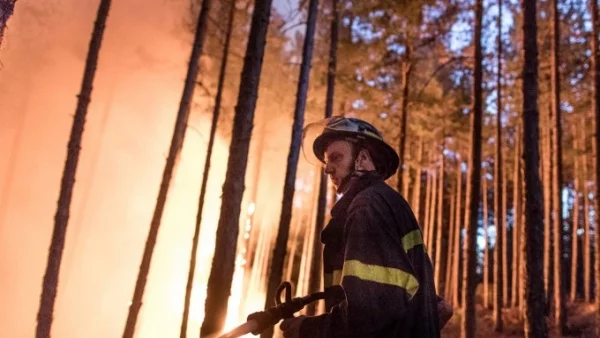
(318,135)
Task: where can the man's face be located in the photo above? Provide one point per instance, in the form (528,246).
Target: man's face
(338,159)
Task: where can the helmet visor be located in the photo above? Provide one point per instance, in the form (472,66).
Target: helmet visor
(309,135)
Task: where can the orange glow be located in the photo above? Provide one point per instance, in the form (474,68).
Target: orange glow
(127,134)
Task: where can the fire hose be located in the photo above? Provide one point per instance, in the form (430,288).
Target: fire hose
(260,321)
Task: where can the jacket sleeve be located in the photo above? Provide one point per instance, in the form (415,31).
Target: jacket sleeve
(377,279)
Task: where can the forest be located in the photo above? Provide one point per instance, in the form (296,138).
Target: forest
(153,182)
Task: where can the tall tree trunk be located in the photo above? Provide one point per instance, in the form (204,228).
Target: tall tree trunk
(547,192)
(559,261)
(316,266)
(499,252)
(587,243)
(174,151)
(535,324)
(209,149)
(457,238)
(428,192)
(441,234)
(468,324)
(406,72)
(517,205)
(486,243)
(451,233)
(219,282)
(6,10)
(506,273)
(416,201)
(431,227)
(596,107)
(61,218)
(575,227)
(290,175)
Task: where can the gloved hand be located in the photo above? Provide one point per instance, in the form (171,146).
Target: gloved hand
(291,327)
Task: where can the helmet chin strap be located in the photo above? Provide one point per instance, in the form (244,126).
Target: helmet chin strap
(345,183)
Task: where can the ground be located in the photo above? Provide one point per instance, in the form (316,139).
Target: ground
(580,322)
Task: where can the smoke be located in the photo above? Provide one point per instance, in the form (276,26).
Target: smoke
(130,120)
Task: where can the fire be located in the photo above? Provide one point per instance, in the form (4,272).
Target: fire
(127,134)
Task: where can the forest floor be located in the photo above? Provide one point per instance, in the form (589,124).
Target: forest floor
(580,323)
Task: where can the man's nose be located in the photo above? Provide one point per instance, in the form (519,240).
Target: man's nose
(328,169)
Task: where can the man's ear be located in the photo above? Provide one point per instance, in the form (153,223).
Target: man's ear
(363,155)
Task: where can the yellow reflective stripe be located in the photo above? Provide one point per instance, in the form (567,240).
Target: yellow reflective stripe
(337,277)
(412,239)
(383,275)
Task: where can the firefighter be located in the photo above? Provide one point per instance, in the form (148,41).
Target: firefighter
(373,245)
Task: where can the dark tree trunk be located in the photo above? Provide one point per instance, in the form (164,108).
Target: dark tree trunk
(276,271)
(468,324)
(174,151)
(6,10)
(535,324)
(61,218)
(211,141)
(316,266)
(221,274)
(499,252)
(596,108)
(559,234)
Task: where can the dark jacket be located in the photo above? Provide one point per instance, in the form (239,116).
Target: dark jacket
(374,249)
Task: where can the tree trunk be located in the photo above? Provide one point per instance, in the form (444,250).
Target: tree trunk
(441,234)
(548,200)
(432,213)
(451,233)
(416,201)
(559,261)
(535,324)
(457,238)
(486,243)
(174,151)
(221,274)
(209,149)
(426,227)
(575,227)
(6,10)
(61,218)
(468,324)
(596,107)
(406,71)
(499,251)
(587,243)
(506,273)
(290,175)
(517,205)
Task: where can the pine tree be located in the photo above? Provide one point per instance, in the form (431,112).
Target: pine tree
(61,218)
(535,325)
(468,324)
(221,274)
